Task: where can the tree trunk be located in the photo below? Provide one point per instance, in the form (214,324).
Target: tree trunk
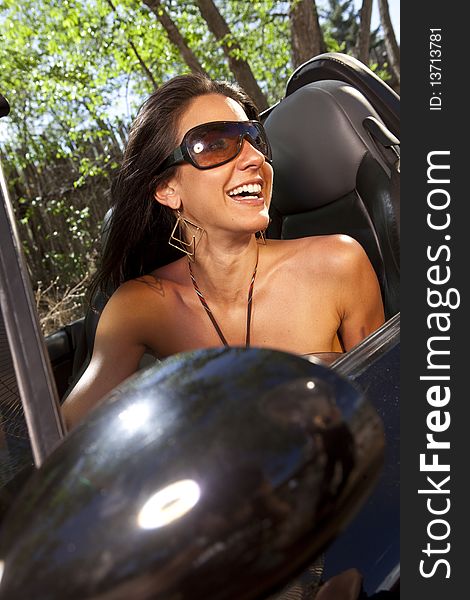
(239,67)
(175,36)
(363,38)
(391,45)
(306,34)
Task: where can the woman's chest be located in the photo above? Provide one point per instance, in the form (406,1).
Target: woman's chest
(290,317)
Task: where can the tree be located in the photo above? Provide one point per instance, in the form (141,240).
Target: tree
(175,36)
(238,64)
(363,38)
(391,45)
(342,23)
(133,47)
(306,35)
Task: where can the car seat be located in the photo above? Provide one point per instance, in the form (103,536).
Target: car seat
(336,164)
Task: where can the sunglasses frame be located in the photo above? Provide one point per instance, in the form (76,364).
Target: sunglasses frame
(181,153)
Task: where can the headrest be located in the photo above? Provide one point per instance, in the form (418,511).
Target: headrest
(318,142)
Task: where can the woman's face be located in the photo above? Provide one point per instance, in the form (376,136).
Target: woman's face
(203,195)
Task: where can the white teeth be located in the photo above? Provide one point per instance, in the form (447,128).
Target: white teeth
(250,188)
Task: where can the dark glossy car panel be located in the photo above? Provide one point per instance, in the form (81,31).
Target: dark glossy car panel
(267,452)
(373,538)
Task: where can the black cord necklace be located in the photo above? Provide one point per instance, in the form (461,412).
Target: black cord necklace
(209,312)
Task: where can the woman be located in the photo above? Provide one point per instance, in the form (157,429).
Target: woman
(190,200)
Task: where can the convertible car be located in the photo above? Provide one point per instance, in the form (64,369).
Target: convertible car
(224,473)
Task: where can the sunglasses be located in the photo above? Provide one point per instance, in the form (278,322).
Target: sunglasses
(213,144)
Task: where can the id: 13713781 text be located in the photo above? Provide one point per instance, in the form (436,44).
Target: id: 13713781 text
(435,69)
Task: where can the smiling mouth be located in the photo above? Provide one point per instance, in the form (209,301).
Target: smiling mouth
(251,193)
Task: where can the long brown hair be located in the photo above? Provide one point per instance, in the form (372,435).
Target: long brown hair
(136,237)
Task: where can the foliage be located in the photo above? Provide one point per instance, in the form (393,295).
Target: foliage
(380,70)
(341,24)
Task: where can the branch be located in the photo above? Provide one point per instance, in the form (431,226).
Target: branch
(239,67)
(175,36)
(145,69)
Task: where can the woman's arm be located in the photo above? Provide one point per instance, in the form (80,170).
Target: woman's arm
(117,351)
(361,309)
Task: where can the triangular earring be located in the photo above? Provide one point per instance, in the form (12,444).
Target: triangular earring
(189,248)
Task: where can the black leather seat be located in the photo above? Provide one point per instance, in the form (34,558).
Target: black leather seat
(336,171)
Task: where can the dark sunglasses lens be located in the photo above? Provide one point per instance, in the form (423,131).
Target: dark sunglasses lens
(213,145)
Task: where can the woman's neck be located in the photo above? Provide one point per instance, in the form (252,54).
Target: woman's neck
(223,270)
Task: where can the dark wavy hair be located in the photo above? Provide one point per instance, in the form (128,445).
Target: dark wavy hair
(136,235)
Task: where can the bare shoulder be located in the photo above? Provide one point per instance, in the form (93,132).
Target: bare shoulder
(153,287)
(130,295)
(342,252)
(133,305)
(336,253)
